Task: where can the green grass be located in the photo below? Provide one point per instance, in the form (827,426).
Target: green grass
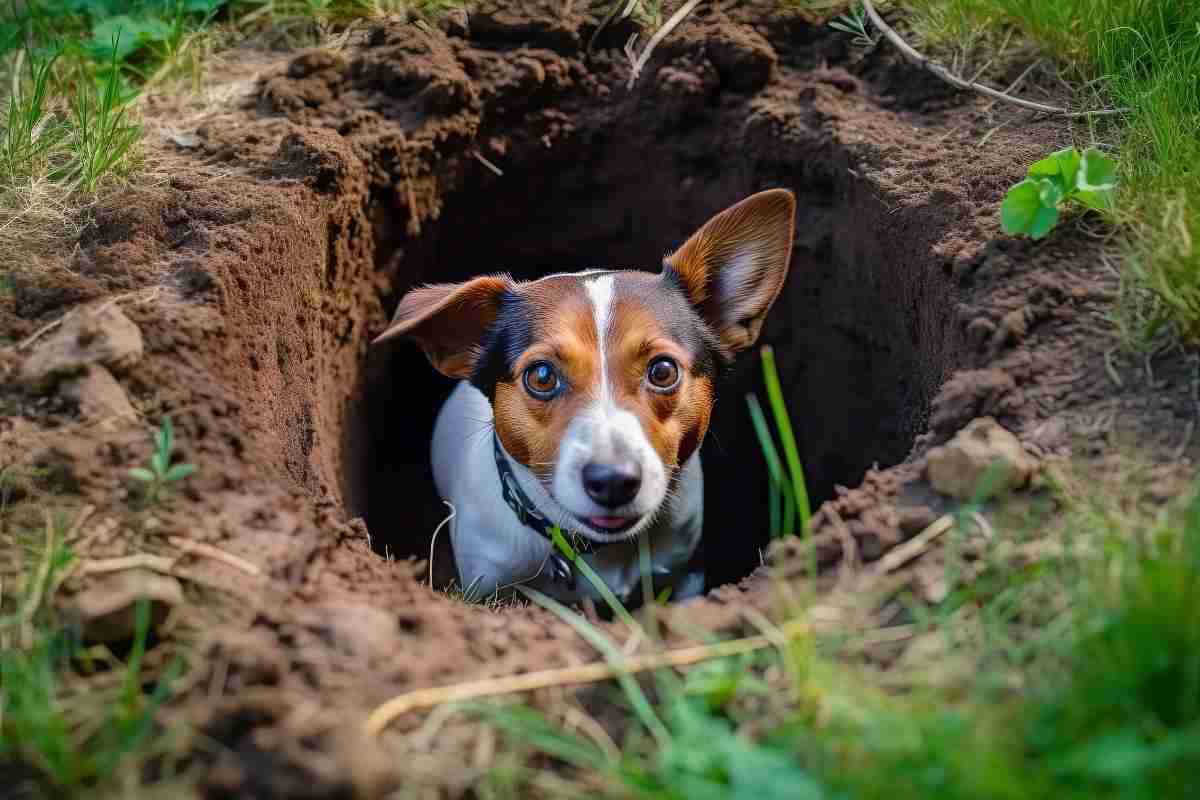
(76,717)
(1142,55)
(71,72)
(1082,680)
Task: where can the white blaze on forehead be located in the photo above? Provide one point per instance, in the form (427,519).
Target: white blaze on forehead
(600,292)
(605,433)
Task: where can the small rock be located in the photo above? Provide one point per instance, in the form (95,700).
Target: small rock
(957,467)
(187,141)
(107,610)
(99,397)
(102,335)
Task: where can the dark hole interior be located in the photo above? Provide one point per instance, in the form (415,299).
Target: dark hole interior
(859,332)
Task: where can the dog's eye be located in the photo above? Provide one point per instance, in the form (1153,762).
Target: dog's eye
(541,380)
(663,374)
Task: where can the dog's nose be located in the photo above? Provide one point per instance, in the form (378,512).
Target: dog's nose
(612,485)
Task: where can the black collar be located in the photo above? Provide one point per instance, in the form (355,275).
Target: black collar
(530,517)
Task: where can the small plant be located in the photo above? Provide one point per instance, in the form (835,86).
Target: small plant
(161,473)
(76,745)
(103,134)
(854,22)
(29,133)
(1031,207)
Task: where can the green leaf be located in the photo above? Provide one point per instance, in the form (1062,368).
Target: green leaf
(142,474)
(1020,207)
(1097,172)
(166,436)
(179,472)
(1049,193)
(1043,222)
(130,34)
(1059,167)
(1100,201)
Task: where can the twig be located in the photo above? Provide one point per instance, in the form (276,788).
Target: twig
(385,714)
(902,554)
(910,53)
(137,561)
(482,160)
(639,61)
(84,514)
(216,554)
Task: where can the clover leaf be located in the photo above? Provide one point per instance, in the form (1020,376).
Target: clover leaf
(1031,207)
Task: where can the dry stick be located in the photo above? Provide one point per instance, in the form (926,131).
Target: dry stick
(84,513)
(901,555)
(910,53)
(482,160)
(385,714)
(640,60)
(138,561)
(216,554)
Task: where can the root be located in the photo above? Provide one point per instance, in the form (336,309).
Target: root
(638,60)
(385,714)
(216,554)
(913,55)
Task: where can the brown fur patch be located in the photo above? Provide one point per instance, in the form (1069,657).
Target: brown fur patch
(675,422)
(564,333)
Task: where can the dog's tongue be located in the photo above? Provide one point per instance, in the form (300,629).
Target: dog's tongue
(608,522)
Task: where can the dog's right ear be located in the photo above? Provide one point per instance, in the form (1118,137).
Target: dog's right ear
(450,320)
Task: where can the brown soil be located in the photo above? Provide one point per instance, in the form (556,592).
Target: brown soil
(281,237)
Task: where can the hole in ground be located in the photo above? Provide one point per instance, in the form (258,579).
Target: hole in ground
(860,332)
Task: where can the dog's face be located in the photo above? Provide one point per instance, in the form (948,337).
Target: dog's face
(602,382)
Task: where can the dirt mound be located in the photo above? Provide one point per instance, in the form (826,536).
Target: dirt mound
(258,273)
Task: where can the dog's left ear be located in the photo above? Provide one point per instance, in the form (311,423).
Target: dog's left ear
(450,320)
(733,268)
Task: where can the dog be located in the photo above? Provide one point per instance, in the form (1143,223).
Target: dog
(582,402)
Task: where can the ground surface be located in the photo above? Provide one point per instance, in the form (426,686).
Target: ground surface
(279,230)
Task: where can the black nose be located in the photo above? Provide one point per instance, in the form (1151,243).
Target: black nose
(612,485)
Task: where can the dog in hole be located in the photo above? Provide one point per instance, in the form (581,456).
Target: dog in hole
(582,401)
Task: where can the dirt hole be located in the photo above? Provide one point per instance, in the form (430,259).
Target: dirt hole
(859,331)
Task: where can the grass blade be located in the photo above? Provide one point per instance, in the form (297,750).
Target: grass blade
(618,608)
(784,423)
(781,523)
(612,654)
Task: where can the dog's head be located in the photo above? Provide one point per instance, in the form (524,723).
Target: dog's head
(602,382)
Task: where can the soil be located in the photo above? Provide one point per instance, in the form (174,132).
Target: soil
(289,220)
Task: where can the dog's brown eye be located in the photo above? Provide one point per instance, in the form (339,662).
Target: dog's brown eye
(541,380)
(663,373)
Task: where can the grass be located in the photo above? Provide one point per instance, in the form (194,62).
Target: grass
(76,717)
(1080,678)
(72,73)
(1142,55)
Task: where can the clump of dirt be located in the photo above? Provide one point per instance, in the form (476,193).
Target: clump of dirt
(294,219)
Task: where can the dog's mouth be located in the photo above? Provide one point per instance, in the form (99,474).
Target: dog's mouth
(610,526)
